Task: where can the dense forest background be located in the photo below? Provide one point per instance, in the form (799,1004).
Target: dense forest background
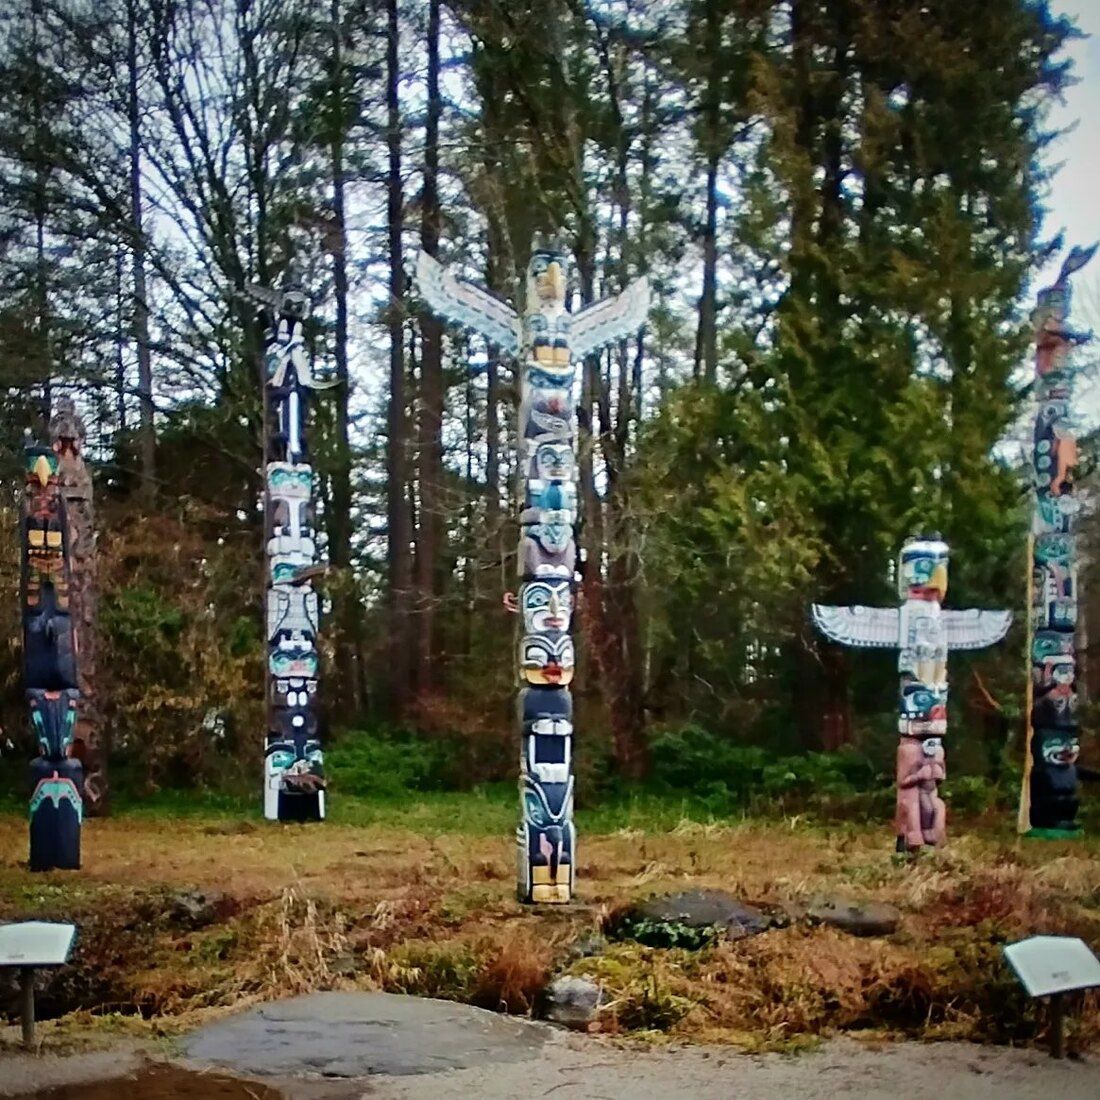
(838,204)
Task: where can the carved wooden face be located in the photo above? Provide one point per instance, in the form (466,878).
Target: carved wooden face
(41,465)
(552,462)
(922,572)
(547,658)
(1060,751)
(546,279)
(295,763)
(67,431)
(546,605)
(923,702)
(547,551)
(293,657)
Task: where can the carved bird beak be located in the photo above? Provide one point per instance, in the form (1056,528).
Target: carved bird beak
(939,579)
(42,471)
(556,278)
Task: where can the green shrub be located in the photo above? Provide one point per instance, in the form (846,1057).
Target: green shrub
(725,774)
(389,762)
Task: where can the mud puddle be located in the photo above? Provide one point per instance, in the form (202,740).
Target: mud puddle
(157,1082)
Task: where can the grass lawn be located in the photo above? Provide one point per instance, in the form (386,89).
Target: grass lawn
(415,894)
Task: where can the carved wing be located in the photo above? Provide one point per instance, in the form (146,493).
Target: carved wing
(1077,258)
(602,323)
(866,627)
(973,629)
(467,305)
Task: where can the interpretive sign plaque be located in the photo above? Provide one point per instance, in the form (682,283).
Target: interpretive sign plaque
(35,943)
(1053,964)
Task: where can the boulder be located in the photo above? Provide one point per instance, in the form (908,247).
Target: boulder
(690,919)
(572,1002)
(860,918)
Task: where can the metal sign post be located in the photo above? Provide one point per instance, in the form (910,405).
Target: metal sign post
(1052,966)
(28,947)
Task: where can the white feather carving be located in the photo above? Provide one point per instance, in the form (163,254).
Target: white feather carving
(603,323)
(467,305)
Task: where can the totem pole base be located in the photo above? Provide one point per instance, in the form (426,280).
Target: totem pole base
(55,816)
(1054,834)
(301,807)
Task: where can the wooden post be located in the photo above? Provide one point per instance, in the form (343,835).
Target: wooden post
(26,982)
(1023,816)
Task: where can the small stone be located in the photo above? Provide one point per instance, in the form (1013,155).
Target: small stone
(860,918)
(587,946)
(573,1002)
(193,909)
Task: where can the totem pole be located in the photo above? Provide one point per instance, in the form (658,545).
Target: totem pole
(1048,799)
(67,438)
(547,343)
(49,666)
(294,777)
(923,633)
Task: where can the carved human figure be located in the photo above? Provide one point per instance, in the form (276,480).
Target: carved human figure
(921,813)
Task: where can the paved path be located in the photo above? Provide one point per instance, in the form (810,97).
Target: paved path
(362,1034)
(372,1046)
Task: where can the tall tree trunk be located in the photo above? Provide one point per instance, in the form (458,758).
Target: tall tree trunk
(146,431)
(399,520)
(120,339)
(430,420)
(706,339)
(41,205)
(349,611)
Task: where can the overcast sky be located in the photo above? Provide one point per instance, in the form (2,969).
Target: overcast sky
(1074,200)
(1075,195)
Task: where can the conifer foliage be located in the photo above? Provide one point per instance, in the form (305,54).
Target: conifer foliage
(837,204)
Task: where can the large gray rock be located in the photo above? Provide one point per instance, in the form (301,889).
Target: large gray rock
(573,1002)
(358,1034)
(686,919)
(860,918)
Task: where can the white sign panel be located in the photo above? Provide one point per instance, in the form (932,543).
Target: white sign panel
(1053,964)
(35,943)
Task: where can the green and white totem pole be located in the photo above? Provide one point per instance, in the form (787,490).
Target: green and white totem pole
(294,775)
(547,342)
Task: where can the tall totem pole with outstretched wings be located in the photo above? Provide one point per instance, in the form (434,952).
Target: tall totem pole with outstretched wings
(1048,799)
(548,342)
(923,633)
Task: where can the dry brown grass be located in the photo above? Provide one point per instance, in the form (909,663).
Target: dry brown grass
(304,908)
